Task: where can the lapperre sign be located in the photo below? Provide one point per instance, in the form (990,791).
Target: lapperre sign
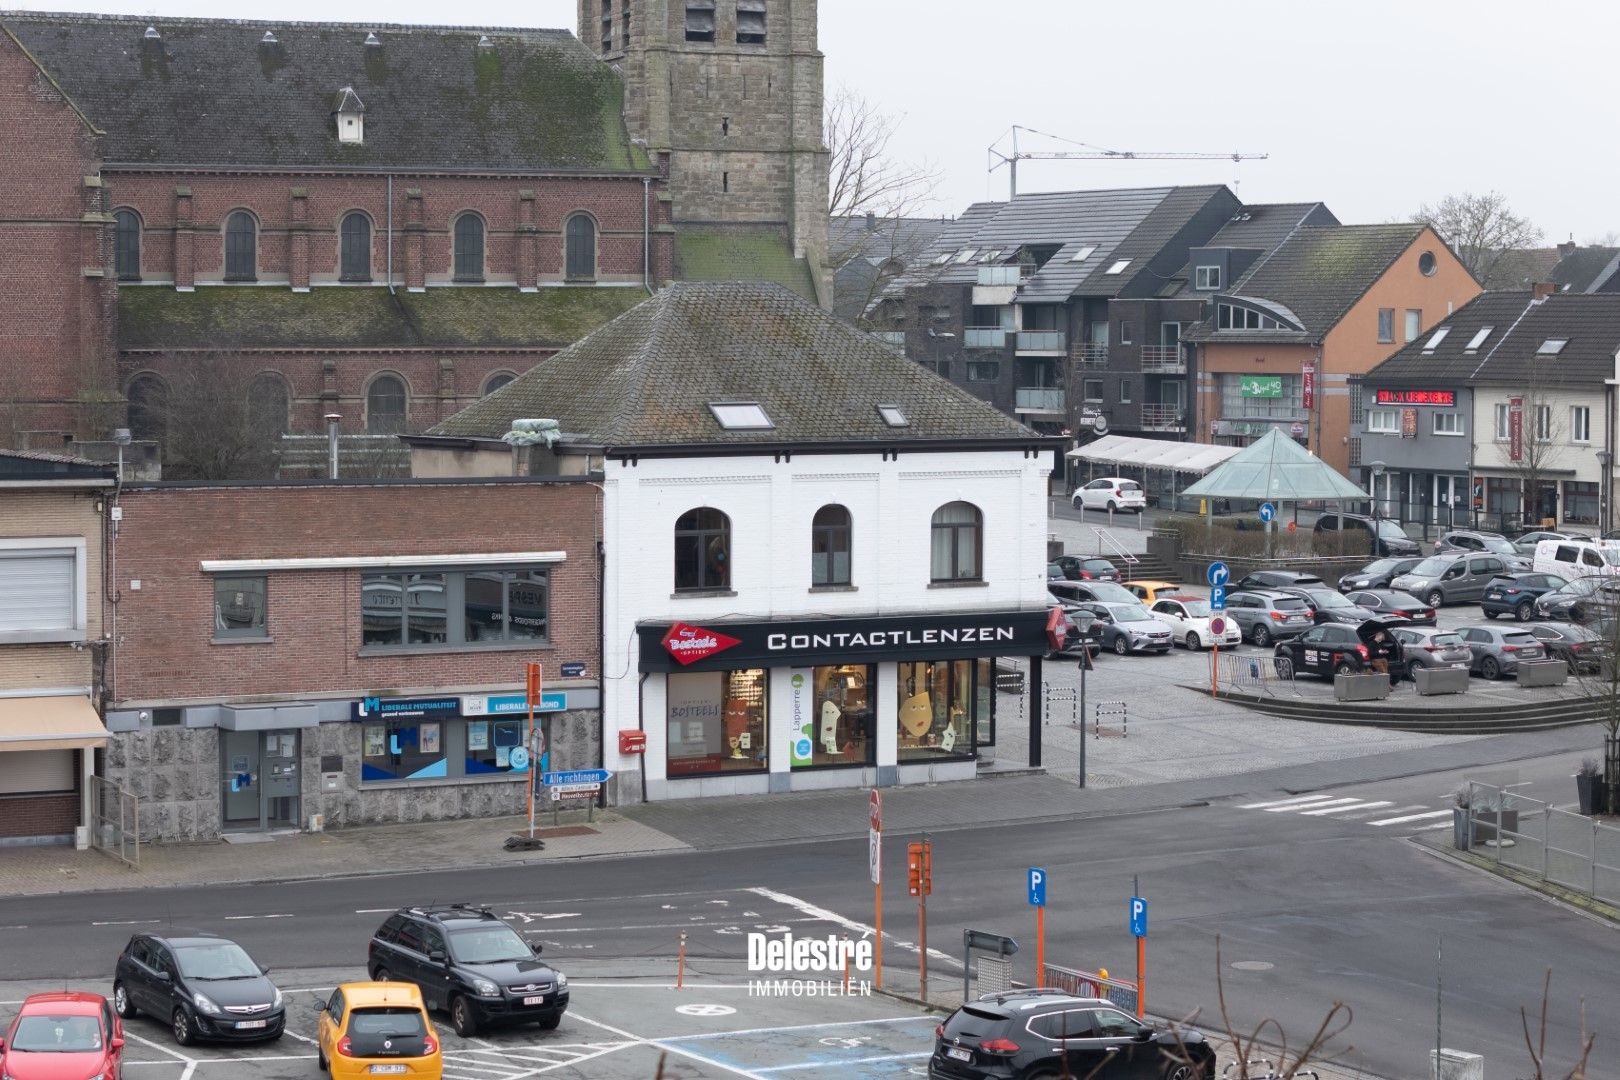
(852,640)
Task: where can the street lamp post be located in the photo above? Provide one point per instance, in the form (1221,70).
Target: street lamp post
(1605,490)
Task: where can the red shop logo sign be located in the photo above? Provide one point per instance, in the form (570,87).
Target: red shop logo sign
(689,644)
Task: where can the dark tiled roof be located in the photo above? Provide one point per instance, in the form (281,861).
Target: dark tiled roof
(38,465)
(212,92)
(1318,274)
(1584,269)
(1259,228)
(229,316)
(1149,238)
(863,246)
(647,378)
(1522,268)
(1590,322)
(713,252)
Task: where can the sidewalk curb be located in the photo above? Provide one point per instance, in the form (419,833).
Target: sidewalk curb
(1575,903)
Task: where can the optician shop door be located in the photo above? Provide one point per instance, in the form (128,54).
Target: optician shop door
(259,779)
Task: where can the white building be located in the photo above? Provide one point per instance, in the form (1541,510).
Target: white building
(814,550)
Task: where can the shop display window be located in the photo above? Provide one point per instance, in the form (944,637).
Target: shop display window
(837,726)
(490,744)
(717,722)
(403,750)
(942,708)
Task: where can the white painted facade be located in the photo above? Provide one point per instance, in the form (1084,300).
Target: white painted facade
(1576,432)
(771,502)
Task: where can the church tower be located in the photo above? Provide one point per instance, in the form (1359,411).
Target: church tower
(729,93)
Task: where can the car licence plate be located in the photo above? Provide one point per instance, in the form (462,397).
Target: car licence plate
(534,1001)
(248,1025)
(958,1053)
(394,1069)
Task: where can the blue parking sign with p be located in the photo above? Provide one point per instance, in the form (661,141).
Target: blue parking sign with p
(1138,916)
(1217,598)
(1037,887)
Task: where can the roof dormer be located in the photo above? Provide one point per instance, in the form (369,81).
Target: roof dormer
(350,112)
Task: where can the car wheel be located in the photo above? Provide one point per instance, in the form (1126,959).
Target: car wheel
(320,1059)
(1489,668)
(1345,667)
(382,974)
(1577,614)
(549,1023)
(1193,644)
(1490,614)
(1121,646)
(183,1035)
(1435,599)
(1524,612)
(121,1003)
(1261,636)
(1181,1072)
(1412,668)
(462,1018)
(1113,507)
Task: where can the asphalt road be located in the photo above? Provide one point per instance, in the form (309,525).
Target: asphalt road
(1313,908)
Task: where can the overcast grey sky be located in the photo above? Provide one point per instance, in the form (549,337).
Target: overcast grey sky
(1372,106)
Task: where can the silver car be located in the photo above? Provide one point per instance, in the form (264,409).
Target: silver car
(1452,578)
(1424,646)
(1470,540)
(1498,650)
(1129,628)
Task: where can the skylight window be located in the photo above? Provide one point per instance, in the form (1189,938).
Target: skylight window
(1085,252)
(1479,337)
(893,415)
(741,415)
(942,258)
(965,254)
(1552,346)
(1434,341)
(1119,267)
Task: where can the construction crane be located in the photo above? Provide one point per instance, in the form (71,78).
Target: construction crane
(998,157)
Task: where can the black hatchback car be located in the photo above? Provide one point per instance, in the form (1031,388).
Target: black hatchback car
(469,962)
(1276,579)
(1045,1033)
(202,986)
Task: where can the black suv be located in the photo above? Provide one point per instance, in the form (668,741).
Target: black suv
(202,986)
(1384,536)
(1275,579)
(1046,1033)
(469,962)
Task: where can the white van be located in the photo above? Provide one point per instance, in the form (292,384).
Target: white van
(1570,559)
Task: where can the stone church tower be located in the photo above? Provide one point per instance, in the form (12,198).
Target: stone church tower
(730,92)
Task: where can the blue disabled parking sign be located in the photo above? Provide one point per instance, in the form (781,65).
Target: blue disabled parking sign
(1138,916)
(1037,887)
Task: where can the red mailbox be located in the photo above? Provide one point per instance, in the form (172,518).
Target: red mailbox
(632,742)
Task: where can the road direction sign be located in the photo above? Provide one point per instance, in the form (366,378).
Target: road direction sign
(1218,573)
(1037,887)
(1217,598)
(1267,511)
(577,776)
(1138,916)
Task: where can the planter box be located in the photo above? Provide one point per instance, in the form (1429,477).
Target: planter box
(1593,794)
(1459,828)
(1486,823)
(1441,680)
(1543,673)
(1369,687)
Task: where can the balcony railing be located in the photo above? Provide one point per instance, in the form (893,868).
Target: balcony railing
(1156,417)
(984,337)
(1000,275)
(897,338)
(1039,399)
(1163,360)
(1091,354)
(1041,341)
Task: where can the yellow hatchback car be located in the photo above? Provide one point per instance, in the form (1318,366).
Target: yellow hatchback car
(378,1029)
(1148,591)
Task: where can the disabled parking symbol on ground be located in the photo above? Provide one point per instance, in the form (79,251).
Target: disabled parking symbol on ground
(703,1009)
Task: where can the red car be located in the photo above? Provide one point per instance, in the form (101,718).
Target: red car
(63,1036)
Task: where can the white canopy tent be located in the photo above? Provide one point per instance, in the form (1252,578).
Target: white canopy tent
(1184,457)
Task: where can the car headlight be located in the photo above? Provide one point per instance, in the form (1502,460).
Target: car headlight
(204,1005)
(485,988)
(562,981)
(275,1002)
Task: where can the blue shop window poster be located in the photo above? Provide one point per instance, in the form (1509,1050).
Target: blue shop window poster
(478,735)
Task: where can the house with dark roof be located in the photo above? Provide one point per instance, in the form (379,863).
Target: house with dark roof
(1283,339)
(1591,269)
(1502,416)
(868,251)
(813,550)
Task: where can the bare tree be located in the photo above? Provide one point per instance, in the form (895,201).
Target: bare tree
(219,419)
(1537,1045)
(1481,229)
(1540,446)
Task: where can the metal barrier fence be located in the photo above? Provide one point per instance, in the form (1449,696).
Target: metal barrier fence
(1110,709)
(115,821)
(1259,673)
(1558,846)
(1092,984)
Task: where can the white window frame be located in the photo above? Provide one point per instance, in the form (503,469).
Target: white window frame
(1504,421)
(1207,277)
(54,545)
(1383,421)
(1414,325)
(1580,424)
(1543,423)
(1454,422)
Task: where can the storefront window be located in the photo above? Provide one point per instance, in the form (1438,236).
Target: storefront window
(834,716)
(941,707)
(490,744)
(716,722)
(1580,502)
(403,750)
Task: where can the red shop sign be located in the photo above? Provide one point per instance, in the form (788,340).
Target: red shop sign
(689,644)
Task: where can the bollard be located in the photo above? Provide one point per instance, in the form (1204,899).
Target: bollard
(680,964)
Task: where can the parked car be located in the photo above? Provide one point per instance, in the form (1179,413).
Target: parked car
(1452,578)
(1581,600)
(1516,594)
(1384,537)
(1042,1033)
(1084,631)
(201,985)
(1275,579)
(1570,559)
(1128,628)
(370,1028)
(1393,602)
(1526,544)
(1111,493)
(1581,647)
(1485,542)
(66,1035)
(1082,568)
(1497,650)
(1149,591)
(1266,615)
(1090,592)
(1425,646)
(1329,605)
(470,963)
(1189,619)
(1377,574)
(1054,572)
(1332,649)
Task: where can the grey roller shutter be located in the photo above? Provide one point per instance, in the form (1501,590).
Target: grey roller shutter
(36,591)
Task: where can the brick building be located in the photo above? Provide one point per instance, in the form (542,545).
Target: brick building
(354,650)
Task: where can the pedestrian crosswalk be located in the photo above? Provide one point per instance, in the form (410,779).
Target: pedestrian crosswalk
(1380,813)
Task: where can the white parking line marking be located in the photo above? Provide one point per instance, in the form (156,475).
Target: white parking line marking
(1411,817)
(792,1027)
(1355,805)
(1285,802)
(1318,806)
(664,1045)
(128,922)
(234,918)
(375,911)
(845,1063)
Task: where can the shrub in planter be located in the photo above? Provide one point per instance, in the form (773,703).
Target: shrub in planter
(1590,789)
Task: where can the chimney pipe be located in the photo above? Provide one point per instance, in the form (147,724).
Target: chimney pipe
(332,421)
